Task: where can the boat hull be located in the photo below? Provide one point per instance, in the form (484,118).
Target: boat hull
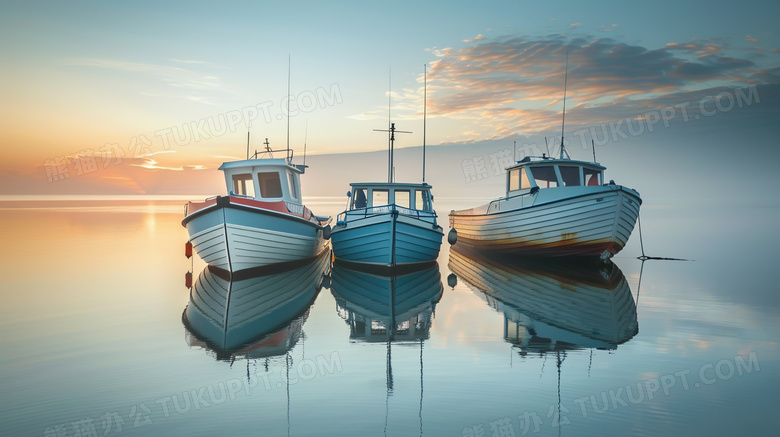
(386,239)
(597,223)
(231,235)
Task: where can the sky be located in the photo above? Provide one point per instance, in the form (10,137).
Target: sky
(119,97)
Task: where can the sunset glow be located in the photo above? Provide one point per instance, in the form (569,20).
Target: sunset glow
(125,98)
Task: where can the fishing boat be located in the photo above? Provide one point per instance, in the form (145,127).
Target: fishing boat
(552,208)
(261,221)
(388,224)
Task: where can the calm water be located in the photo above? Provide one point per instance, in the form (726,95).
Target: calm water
(97,339)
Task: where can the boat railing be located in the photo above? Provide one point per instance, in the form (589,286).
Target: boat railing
(195,206)
(269,152)
(383,209)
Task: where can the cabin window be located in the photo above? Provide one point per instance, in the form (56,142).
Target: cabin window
(243,185)
(293,186)
(591,176)
(402,198)
(514,179)
(422,200)
(379,198)
(545,176)
(524,182)
(270,184)
(570,175)
(360,200)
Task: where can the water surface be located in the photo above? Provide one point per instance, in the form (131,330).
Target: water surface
(96,339)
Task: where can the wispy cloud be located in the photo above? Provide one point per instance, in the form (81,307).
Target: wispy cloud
(515,83)
(479,37)
(148,155)
(194,83)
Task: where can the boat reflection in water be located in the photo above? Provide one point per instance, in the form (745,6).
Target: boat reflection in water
(255,315)
(395,309)
(551,307)
(386,308)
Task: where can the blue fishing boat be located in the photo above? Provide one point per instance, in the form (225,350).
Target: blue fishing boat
(388,224)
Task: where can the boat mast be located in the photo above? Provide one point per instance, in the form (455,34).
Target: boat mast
(425,115)
(563,122)
(305,139)
(391,130)
(392,141)
(389,126)
(288,103)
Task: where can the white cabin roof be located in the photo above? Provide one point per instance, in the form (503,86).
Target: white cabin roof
(389,185)
(529,161)
(265,162)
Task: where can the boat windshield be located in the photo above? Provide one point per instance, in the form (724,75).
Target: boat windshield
(545,176)
(423,200)
(243,185)
(518,179)
(293,186)
(359,200)
(380,198)
(570,175)
(591,176)
(404,197)
(270,184)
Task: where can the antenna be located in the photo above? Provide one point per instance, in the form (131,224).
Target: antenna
(305,138)
(389,126)
(565,80)
(425,115)
(392,140)
(288,102)
(247,144)
(593,146)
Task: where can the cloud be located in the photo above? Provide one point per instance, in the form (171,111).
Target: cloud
(407,104)
(479,37)
(150,154)
(191,82)
(514,84)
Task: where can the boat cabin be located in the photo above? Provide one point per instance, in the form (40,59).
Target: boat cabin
(374,195)
(268,180)
(541,173)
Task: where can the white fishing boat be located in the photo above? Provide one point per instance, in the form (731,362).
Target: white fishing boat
(388,224)
(261,221)
(552,208)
